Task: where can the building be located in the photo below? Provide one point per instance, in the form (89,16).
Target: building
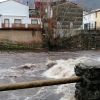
(97,20)
(66,17)
(14,14)
(91,20)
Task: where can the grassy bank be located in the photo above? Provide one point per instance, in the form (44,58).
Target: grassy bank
(10,46)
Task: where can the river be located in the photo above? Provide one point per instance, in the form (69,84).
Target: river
(30,66)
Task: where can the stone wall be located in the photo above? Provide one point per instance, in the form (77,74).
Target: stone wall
(89,87)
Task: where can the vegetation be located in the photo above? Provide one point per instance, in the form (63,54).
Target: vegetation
(10,46)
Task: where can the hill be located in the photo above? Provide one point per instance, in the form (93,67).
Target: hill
(85,4)
(88,4)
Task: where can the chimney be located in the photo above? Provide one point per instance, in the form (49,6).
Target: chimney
(27,2)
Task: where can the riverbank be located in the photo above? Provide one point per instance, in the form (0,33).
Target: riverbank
(10,46)
(77,42)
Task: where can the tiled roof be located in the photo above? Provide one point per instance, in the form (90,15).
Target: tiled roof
(93,11)
(69,3)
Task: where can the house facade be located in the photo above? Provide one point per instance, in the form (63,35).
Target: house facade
(67,18)
(91,21)
(97,13)
(64,18)
(14,14)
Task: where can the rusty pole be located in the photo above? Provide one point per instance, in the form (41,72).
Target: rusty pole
(33,84)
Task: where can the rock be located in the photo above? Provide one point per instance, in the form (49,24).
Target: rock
(89,88)
(27,66)
(49,65)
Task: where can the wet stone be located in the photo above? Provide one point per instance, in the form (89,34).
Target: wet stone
(89,87)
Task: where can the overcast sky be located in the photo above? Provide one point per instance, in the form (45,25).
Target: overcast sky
(2,0)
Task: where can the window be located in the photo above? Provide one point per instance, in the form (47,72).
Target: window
(90,16)
(96,14)
(17,22)
(6,22)
(92,25)
(46,24)
(71,24)
(85,26)
(34,21)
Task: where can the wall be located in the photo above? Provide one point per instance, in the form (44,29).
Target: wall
(21,36)
(67,16)
(89,18)
(98,20)
(13,8)
(0,21)
(24,20)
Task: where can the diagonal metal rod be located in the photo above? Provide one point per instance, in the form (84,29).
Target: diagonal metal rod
(25,85)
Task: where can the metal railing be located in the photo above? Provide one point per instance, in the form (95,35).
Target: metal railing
(42,83)
(25,25)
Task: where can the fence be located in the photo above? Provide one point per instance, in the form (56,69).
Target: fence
(21,26)
(39,83)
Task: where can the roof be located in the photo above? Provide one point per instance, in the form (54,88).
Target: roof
(92,11)
(68,2)
(32,12)
(96,10)
(13,0)
(84,12)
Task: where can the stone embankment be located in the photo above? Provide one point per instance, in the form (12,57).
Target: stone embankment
(89,88)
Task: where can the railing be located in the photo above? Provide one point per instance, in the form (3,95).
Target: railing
(18,25)
(34,25)
(42,83)
(4,26)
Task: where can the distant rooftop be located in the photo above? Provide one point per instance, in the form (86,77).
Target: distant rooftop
(33,12)
(92,11)
(95,10)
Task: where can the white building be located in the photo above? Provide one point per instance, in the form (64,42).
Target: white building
(89,20)
(14,14)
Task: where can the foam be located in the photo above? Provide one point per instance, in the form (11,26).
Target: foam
(65,69)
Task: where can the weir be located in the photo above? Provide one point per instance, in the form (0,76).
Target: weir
(87,82)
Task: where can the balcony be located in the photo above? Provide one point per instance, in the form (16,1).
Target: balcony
(6,25)
(34,26)
(21,26)
(18,25)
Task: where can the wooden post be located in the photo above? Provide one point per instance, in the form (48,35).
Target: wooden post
(42,83)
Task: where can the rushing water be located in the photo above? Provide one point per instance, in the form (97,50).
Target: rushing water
(30,66)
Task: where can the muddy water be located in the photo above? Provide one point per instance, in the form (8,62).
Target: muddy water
(29,66)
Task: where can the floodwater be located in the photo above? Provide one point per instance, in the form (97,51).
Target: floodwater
(31,66)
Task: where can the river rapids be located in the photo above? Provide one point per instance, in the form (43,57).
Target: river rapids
(32,66)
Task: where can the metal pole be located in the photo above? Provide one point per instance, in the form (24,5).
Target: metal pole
(42,83)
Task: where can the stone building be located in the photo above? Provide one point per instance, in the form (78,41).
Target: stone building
(67,18)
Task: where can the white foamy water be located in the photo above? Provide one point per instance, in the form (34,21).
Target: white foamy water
(18,71)
(65,69)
